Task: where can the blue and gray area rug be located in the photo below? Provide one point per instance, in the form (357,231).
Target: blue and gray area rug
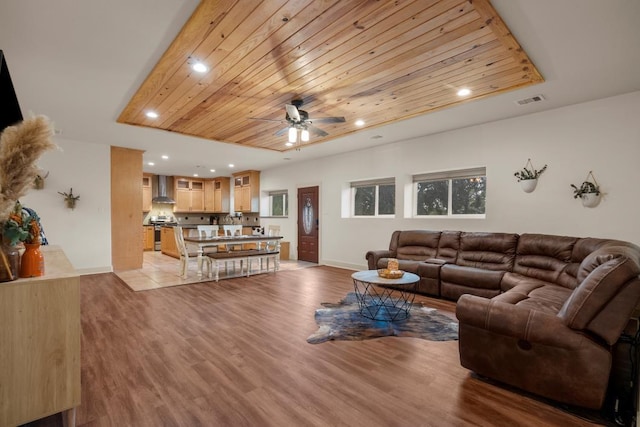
(342,321)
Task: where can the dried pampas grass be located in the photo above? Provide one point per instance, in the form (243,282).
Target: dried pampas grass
(20,147)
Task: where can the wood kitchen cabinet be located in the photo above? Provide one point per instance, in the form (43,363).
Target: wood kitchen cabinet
(147,237)
(147,192)
(189,195)
(246,191)
(217,195)
(168,242)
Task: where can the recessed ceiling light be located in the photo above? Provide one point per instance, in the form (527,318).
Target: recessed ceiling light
(464,92)
(152,114)
(165,157)
(195,174)
(212,170)
(231,165)
(200,67)
(359,122)
(288,144)
(151,164)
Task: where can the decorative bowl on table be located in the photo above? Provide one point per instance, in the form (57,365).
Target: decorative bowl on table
(390,274)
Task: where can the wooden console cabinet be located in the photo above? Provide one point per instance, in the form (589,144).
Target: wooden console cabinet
(40,343)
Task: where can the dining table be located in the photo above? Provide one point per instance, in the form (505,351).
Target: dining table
(216,241)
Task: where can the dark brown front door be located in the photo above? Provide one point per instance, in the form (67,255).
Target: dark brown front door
(308,211)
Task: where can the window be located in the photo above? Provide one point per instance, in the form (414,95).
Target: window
(278,203)
(374,197)
(451,193)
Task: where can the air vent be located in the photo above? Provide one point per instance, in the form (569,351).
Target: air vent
(536,98)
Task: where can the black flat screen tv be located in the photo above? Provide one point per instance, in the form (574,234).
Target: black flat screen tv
(10,112)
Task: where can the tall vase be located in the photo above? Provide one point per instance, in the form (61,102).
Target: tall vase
(32,264)
(9,262)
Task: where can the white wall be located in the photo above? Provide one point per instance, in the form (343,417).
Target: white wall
(85,232)
(603,136)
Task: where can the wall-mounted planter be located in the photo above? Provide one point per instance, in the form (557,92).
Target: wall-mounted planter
(38,181)
(69,199)
(590,200)
(528,176)
(588,192)
(528,185)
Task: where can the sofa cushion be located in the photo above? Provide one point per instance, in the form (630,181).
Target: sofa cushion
(512,280)
(417,244)
(545,257)
(471,277)
(489,251)
(549,298)
(535,294)
(448,246)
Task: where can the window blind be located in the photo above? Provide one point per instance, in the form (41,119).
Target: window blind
(452,174)
(372,182)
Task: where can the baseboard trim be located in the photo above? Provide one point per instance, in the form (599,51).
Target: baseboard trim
(94,270)
(345,265)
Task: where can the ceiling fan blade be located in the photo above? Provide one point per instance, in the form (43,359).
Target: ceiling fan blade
(328,120)
(266,120)
(316,131)
(293,113)
(282,131)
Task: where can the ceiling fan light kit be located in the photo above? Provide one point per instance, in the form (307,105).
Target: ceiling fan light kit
(299,125)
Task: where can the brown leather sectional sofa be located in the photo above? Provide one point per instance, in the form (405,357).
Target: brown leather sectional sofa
(539,312)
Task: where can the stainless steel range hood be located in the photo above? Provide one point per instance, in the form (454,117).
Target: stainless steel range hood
(162,196)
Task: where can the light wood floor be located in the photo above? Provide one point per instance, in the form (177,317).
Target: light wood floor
(162,271)
(234,353)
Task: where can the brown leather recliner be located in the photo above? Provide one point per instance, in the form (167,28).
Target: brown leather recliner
(552,340)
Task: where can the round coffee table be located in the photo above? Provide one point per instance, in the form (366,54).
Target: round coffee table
(375,296)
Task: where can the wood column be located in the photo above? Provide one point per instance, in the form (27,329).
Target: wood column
(126,214)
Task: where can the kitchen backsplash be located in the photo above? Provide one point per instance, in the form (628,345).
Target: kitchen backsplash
(250,219)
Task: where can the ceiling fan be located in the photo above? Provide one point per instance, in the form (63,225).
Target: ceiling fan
(299,120)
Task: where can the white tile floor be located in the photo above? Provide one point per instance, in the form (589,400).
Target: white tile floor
(161,271)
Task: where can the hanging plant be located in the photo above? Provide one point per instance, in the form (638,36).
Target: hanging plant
(38,181)
(588,192)
(70,199)
(585,188)
(528,176)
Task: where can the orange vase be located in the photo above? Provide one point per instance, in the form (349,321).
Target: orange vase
(32,264)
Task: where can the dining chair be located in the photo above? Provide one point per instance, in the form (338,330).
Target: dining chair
(207,230)
(273,246)
(186,255)
(230,231)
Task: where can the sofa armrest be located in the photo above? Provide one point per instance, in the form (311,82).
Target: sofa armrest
(372,257)
(436,261)
(521,323)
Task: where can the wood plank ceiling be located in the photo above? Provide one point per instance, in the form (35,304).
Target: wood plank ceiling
(379,61)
